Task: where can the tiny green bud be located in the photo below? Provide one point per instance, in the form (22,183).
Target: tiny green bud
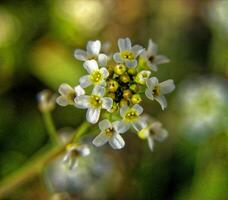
(112,95)
(114,107)
(136,98)
(120,69)
(113,86)
(134,87)
(125,78)
(123,102)
(127,94)
(132,71)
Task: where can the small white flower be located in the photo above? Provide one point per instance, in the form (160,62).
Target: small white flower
(68,94)
(142,77)
(127,54)
(94,103)
(96,76)
(92,51)
(73,153)
(152,58)
(156,90)
(131,116)
(109,133)
(152,131)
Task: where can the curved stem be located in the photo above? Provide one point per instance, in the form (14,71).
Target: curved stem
(81,131)
(50,127)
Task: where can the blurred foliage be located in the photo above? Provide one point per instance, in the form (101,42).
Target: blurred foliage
(37,41)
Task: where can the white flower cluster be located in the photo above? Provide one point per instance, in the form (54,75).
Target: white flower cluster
(118,83)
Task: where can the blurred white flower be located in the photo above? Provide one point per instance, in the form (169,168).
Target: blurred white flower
(68,94)
(109,133)
(127,54)
(73,153)
(94,103)
(152,131)
(152,58)
(156,90)
(131,117)
(96,76)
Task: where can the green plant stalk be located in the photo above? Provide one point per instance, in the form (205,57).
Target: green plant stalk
(35,166)
(50,127)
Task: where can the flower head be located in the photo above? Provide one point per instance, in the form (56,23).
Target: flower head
(156,90)
(127,54)
(73,153)
(96,76)
(131,116)
(94,103)
(152,131)
(109,133)
(151,57)
(68,94)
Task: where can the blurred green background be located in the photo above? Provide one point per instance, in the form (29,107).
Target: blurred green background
(37,41)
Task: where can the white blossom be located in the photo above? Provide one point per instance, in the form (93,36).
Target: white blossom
(152,131)
(94,103)
(68,94)
(156,90)
(152,58)
(97,76)
(127,54)
(110,132)
(130,117)
(73,152)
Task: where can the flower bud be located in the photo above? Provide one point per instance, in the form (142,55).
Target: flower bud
(46,101)
(125,78)
(123,102)
(127,94)
(111,94)
(120,69)
(136,98)
(114,107)
(134,87)
(113,86)
(132,71)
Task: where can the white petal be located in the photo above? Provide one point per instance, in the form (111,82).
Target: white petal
(161,136)
(92,115)
(105,72)
(152,66)
(85,81)
(117,58)
(65,89)
(137,50)
(131,63)
(138,125)
(167,86)
(102,60)
(100,140)
(152,48)
(123,110)
(104,124)
(149,94)
(152,82)
(82,101)
(124,44)
(107,103)
(80,54)
(84,150)
(162,101)
(90,66)
(93,47)
(98,90)
(160,59)
(62,101)
(117,142)
(120,126)
(150,143)
(79,90)
(138,108)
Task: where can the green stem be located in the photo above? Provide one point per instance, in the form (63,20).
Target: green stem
(34,167)
(50,127)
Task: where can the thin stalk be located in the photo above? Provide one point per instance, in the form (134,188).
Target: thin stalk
(83,130)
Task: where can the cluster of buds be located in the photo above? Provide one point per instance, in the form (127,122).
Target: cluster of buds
(118,83)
